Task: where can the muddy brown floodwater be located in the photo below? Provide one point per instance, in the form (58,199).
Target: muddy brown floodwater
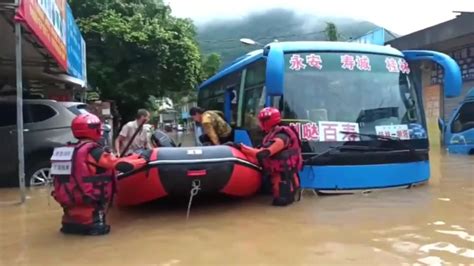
(428,225)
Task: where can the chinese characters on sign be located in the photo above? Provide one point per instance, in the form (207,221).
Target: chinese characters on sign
(62,154)
(391,64)
(403,66)
(348,62)
(61,168)
(331,131)
(61,161)
(307,131)
(46,20)
(52,23)
(395,131)
(75,54)
(298,63)
(310,131)
(314,61)
(296,126)
(363,63)
(327,131)
(54,11)
(396,66)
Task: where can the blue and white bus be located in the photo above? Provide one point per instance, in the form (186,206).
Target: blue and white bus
(358,108)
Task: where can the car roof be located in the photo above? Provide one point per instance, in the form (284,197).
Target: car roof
(69,104)
(43,101)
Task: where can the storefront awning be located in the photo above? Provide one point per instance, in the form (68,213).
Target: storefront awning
(35,47)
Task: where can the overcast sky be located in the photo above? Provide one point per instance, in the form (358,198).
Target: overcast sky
(400,16)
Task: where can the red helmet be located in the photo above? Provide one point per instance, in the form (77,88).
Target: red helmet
(268,118)
(87,126)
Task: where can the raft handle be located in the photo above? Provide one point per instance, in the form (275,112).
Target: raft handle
(195,173)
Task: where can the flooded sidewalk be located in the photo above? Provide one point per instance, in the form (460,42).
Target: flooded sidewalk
(427,225)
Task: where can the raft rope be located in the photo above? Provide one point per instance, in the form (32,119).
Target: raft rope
(196,187)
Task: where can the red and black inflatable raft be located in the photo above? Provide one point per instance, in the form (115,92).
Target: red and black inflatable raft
(171,171)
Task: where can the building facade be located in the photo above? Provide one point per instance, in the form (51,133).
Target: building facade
(455,38)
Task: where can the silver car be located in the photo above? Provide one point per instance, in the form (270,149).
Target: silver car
(47,124)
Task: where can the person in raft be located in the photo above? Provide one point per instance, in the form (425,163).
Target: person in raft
(279,155)
(83,179)
(216,130)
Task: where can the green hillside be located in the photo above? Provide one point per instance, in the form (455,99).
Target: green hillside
(222,36)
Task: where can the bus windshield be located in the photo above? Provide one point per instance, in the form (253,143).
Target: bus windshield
(326,93)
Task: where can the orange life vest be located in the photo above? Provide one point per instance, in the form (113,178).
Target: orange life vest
(78,179)
(287,160)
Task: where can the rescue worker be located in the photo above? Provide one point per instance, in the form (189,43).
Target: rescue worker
(84,181)
(216,130)
(279,156)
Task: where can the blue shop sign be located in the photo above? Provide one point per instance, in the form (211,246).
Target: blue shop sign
(75,47)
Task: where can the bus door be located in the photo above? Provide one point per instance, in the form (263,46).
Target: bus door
(452,81)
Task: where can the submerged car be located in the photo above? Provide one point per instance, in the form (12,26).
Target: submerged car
(458,133)
(47,124)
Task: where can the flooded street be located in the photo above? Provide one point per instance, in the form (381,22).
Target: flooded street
(428,225)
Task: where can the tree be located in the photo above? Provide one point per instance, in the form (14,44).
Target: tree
(331,32)
(211,65)
(135,49)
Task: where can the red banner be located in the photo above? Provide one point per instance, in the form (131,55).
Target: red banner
(47,23)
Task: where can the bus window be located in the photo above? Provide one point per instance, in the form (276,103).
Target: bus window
(233,106)
(254,93)
(212,97)
(277,102)
(254,101)
(255,74)
(210,100)
(464,119)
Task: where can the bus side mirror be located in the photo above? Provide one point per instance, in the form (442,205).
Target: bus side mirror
(452,72)
(441,125)
(275,70)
